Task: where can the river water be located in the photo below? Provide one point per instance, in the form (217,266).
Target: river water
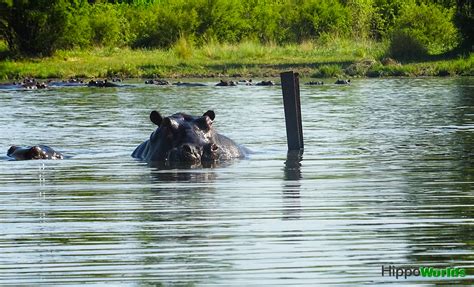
(385,179)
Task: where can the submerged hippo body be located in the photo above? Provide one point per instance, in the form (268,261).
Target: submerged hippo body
(343,82)
(102,84)
(185,140)
(33,152)
(181,84)
(223,83)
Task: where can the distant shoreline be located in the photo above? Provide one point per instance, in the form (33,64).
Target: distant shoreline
(244,60)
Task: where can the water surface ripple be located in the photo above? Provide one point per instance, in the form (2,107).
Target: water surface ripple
(385,179)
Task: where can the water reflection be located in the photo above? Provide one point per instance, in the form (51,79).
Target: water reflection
(176,222)
(292,186)
(446,186)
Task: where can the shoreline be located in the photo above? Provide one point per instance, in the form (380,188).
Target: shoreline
(230,62)
(416,70)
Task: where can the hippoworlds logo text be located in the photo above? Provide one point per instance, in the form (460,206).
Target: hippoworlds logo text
(430,272)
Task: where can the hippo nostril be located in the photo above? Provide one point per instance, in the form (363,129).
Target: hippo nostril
(214,147)
(186,148)
(190,153)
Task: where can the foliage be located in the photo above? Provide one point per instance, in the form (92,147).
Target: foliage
(422,29)
(247,59)
(33,27)
(108,26)
(77,30)
(406,46)
(362,13)
(167,24)
(386,13)
(41,27)
(464,20)
(311,18)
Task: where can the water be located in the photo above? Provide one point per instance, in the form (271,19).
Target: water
(385,179)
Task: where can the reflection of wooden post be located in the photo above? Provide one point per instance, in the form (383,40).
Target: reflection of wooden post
(291,100)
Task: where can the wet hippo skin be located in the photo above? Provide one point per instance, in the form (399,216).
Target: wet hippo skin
(33,152)
(185,139)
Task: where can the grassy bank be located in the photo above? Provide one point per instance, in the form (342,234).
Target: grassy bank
(337,58)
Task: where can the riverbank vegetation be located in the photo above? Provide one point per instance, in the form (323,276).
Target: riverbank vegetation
(166,38)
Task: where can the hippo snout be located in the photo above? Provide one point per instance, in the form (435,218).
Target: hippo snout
(185,153)
(190,153)
(210,153)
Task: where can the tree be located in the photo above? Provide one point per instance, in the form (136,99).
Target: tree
(33,27)
(464,20)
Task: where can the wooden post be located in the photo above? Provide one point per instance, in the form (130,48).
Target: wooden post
(291,100)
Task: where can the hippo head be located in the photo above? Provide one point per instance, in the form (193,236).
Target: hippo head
(183,139)
(33,152)
(18,152)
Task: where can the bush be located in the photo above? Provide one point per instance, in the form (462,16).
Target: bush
(406,46)
(361,15)
(78,31)
(169,22)
(221,19)
(310,19)
(422,29)
(108,26)
(464,19)
(264,19)
(386,13)
(183,48)
(40,27)
(33,27)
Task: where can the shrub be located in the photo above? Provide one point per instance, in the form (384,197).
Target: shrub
(33,27)
(421,29)
(220,19)
(386,13)
(170,21)
(308,20)
(406,46)
(183,48)
(464,19)
(107,24)
(78,32)
(264,19)
(361,16)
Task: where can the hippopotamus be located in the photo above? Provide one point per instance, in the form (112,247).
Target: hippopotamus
(33,152)
(246,82)
(102,84)
(181,84)
(32,84)
(71,82)
(223,83)
(187,141)
(343,82)
(315,83)
(266,83)
(158,82)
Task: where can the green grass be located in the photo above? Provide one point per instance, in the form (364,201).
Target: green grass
(334,58)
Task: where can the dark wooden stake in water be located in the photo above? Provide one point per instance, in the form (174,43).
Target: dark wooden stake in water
(290,86)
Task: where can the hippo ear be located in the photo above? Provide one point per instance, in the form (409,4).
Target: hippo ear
(156,118)
(11,150)
(210,114)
